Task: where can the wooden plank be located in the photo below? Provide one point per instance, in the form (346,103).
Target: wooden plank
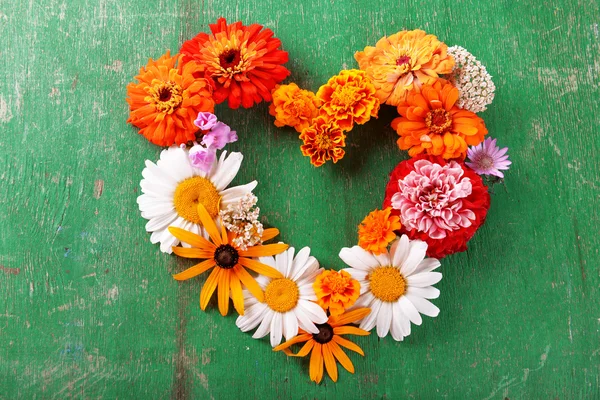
(89,308)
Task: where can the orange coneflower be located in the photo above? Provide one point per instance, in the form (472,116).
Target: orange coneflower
(431,122)
(336,291)
(402,61)
(242,62)
(167,99)
(325,345)
(229,260)
(377,230)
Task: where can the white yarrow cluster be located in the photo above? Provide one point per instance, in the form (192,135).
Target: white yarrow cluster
(472,81)
(241,218)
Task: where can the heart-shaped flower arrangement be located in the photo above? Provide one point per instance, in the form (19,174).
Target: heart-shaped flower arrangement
(433,204)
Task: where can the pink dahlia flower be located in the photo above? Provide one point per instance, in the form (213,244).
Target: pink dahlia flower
(430,198)
(488,159)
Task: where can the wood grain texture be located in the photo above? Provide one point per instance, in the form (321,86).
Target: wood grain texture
(88,307)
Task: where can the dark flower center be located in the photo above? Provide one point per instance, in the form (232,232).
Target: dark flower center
(325,333)
(403,60)
(226,256)
(229,58)
(164,94)
(438,121)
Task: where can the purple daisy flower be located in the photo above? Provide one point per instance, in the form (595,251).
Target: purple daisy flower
(488,159)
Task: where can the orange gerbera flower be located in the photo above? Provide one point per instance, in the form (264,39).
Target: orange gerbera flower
(376,231)
(326,346)
(242,62)
(403,60)
(228,263)
(323,140)
(431,122)
(336,291)
(293,106)
(349,98)
(167,99)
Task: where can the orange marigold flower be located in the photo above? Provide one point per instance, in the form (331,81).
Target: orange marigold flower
(167,99)
(293,106)
(431,122)
(349,97)
(242,62)
(376,231)
(323,140)
(403,60)
(336,291)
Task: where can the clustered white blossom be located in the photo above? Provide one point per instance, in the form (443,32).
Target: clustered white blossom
(472,81)
(241,218)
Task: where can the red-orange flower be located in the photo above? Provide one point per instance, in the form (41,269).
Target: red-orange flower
(293,106)
(242,62)
(323,140)
(336,291)
(350,98)
(431,122)
(167,99)
(376,231)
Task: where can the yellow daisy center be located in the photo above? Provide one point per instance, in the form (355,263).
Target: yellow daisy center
(166,96)
(387,283)
(192,191)
(282,295)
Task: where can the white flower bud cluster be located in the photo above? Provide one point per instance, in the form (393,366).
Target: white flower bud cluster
(241,218)
(472,81)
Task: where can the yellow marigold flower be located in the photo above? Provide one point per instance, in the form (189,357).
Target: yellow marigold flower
(349,97)
(376,231)
(293,106)
(323,140)
(399,62)
(336,291)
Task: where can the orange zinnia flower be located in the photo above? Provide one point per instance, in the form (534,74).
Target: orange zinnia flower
(349,98)
(376,231)
(431,122)
(167,99)
(229,262)
(293,106)
(336,291)
(323,140)
(325,345)
(403,60)
(242,62)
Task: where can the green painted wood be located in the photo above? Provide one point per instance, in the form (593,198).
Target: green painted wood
(88,308)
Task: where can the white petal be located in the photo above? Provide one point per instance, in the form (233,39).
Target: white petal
(399,250)
(369,321)
(265,324)
(427,265)
(290,325)
(425,307)
(287,272)
(307,291)
(358,274)
(304,321)
(251,317)
(234,194)
(161,222)
(365,300)
(281,261)
(424,279)
(299,263)
(416,254)
(402,320)
(311,265)
(356,257)
(226,170)
(410,311)
(313,311)
(427,292)
(396,327)
(384,319)
(276,329)
(268,260)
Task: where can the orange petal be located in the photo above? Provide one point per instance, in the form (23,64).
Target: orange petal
(249,282)
(191,238)
(348,344)
(264,250)
(330,362)
(236,293)
(260,268)
(349,330)
(209,224)
(316,364)
(187,252)
(224,292)
(349,317)
(296,339)
(341,356)
(209,287)
(305,349)
(269,234)
(195,270)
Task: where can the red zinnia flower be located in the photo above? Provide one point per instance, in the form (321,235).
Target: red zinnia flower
(243,63)
(442,202)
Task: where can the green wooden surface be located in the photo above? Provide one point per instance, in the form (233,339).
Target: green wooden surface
(88,308)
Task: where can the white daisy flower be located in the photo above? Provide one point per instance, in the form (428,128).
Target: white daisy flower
(172,189)
(394,285)
(288,300)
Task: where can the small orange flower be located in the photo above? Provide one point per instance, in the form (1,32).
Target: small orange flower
(349,98)
(323,140)
(326,346)
(431,122)
(402,61)
(293,106)
(376,231)
(336,291)
(167,99)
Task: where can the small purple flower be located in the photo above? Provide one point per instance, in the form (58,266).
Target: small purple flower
(219,136)
(205,120)
(202,157)
(488,159)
